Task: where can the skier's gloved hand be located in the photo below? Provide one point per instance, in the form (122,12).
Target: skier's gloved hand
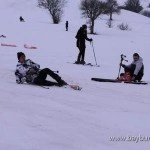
(20,80)
(133,78)
(122,65)
(23,80)
(25,65)
(91,40)
(32,71)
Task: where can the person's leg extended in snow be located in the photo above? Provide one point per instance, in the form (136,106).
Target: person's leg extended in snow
(41,79)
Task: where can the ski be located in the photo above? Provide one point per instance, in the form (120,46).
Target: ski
(106,80)
(74,87)
(89,64)
(118,81)
(86,64)
(141,82)
(42,86)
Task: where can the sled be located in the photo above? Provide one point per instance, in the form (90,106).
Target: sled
(29,47)
(11,45)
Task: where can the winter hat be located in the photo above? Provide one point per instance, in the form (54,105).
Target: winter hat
(136,54)
(84,26)
(19,54)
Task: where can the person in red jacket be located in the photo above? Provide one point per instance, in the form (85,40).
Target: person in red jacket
(135,70)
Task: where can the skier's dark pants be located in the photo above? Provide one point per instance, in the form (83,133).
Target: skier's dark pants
(41,78)
(81,54)
(131,70)
(66,28)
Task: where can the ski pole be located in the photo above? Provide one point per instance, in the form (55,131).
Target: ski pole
(119,70)
(94,53)
(122,58)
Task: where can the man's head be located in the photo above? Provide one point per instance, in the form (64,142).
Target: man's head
(84,27)
(136,56)
(21,57)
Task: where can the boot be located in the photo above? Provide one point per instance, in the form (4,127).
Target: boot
(62,83)
(82,62)
(77,62)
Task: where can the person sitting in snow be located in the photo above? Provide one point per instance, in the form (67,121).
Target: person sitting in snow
(135,70)
(30,72)
(3,36)
(21,19)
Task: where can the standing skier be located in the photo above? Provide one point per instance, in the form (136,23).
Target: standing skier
(81,37)
(135,70)
(30,72)
(66,25)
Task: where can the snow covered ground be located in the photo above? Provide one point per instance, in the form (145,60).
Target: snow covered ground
(33,118)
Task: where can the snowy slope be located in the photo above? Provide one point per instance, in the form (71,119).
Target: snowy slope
(33,118)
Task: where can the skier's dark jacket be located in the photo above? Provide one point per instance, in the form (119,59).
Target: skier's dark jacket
(81,37)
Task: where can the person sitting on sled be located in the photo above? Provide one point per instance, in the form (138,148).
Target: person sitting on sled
(134,71)
(3,36)
(21,19)
(30,72)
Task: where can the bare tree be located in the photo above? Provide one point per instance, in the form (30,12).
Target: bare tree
(133,5)
(145,13)
(109,23)
(92,9)
(112,7)
(55,8)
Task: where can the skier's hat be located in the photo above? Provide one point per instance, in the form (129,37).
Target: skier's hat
(136,54)
(19,54)
(84,26)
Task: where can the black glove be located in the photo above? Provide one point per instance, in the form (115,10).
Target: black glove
(123,65)
(31,71)
(91,40)
(25,65)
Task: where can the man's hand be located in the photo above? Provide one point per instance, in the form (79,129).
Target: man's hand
(133,78)
(122,65)
(31,71)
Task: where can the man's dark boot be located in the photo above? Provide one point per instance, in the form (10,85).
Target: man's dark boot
(82,62)
(62,83)
(77,62)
